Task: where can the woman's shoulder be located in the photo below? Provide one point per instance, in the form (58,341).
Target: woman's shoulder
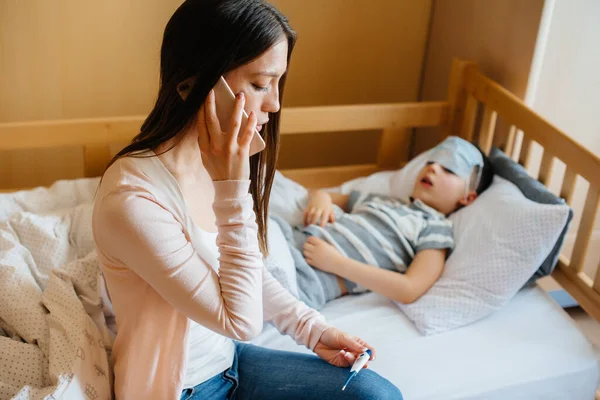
(128,174)
(131,182)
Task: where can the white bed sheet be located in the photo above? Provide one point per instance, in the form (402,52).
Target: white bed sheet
(528,350)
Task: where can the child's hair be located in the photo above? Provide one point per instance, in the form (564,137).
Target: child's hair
(487,173)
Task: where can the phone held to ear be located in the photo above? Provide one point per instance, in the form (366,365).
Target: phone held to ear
(224,104)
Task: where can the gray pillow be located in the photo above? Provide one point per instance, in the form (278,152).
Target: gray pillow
(534,190)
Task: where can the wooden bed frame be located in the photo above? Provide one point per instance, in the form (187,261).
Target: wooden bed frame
(474,101)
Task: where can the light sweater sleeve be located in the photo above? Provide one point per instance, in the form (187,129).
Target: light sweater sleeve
(133,230)
(289,315)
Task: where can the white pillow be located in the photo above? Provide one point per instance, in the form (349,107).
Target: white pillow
(402,182)
(500,241)
(288,199)
(377,183)
(279,262)
(398,183)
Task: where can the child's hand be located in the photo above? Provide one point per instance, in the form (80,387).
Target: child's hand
(319,210)
(322,255)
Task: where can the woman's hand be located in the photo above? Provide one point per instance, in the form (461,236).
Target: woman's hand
(319,210)
(225,155)
(320,254)
(340,349)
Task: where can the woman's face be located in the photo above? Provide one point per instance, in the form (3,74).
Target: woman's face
(259,80)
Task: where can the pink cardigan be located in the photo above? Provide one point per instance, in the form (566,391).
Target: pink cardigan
(158,280)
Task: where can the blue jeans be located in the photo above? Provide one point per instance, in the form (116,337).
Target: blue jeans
(265,374)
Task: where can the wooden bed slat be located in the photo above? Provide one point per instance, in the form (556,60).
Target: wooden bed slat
(597,279)
(579,286)
(44,134)
(468,123)
(568,186)
(586,227)
(514,111)
(525,154)
(74,133)
(546,167)
(323,177)
(511,140)
(486,133)
(363,117)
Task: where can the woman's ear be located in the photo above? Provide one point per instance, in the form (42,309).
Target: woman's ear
(184,88)
(465,201)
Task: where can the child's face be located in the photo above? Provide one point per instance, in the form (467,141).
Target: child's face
(440,189)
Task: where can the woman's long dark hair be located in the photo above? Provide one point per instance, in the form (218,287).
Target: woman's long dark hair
(205,39)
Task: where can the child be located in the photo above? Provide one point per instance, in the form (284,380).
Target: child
(392,247)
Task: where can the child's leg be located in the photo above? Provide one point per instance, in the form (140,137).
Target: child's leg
(273,374)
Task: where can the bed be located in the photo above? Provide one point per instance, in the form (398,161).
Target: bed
(529,349)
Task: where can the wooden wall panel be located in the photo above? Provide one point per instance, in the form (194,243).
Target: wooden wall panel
(82,58)
(499,35)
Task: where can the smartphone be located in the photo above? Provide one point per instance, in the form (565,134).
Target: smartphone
(224,104)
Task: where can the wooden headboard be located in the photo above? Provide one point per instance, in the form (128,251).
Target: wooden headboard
(471,111)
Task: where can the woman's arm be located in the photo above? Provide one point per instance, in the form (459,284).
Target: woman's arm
(308,327)
(133,230)
(289,315)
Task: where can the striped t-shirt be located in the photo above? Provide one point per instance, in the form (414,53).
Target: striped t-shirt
(385,232)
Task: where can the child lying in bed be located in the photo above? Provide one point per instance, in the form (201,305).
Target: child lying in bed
(389,246)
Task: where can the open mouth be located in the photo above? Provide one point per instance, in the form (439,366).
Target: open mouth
(426,182)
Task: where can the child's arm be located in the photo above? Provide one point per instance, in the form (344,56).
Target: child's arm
(320,207)
(424,271)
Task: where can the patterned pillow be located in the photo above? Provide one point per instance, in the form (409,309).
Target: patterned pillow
(534,190)
(501,240)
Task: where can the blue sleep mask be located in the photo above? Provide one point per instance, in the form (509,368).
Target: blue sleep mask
(461,157)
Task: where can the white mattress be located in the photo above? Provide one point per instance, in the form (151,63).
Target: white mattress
(529,350)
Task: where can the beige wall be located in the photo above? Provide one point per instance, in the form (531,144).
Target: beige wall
(356,51)
(351,51)
(568,82)
(564,88)
(500,35)
(78,59)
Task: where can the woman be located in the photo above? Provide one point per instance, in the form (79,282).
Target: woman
(187,290)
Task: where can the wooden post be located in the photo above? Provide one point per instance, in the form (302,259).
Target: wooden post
(568,185)
(457,96)
(486,133)
(525,154)
(394,148)
(546,167)
(586,227)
